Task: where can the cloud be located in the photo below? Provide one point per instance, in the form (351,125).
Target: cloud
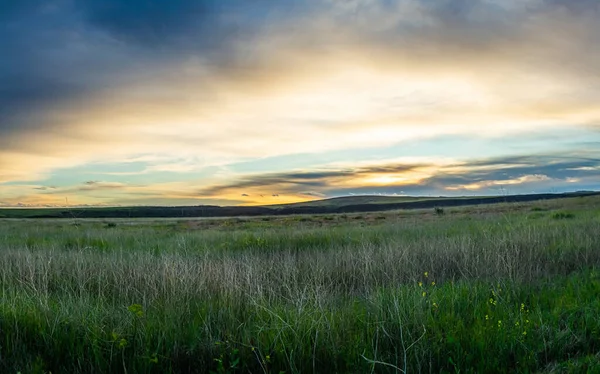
(445,177)
(576,6)
(411,176)
(295,181)
(222,82)
(61,51)
(101,193)
(148,23)
(313,194)
(99,185)
(517,173)
(88,187)
(44,188)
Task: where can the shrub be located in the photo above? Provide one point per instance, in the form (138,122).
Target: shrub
(563,215)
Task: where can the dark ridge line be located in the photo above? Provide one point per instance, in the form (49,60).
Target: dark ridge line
(229,211)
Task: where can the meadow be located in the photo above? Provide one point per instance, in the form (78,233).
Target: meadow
(495,288)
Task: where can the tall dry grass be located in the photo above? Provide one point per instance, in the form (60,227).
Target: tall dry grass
(309,299)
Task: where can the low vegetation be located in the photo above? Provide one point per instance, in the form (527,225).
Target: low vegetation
(497,288)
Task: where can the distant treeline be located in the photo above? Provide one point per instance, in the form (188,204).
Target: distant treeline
(232,211)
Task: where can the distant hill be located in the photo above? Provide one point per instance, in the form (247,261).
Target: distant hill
(351,200)
(345,201)
(349,204)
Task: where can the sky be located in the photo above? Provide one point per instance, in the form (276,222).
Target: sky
(239,102)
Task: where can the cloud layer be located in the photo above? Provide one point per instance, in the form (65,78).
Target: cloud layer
(204,84)
(505,175)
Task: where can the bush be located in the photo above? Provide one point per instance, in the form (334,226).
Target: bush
(563,215)
(439,211)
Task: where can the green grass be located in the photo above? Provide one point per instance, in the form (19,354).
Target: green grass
(485,289)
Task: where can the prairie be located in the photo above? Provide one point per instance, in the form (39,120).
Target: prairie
(492,288)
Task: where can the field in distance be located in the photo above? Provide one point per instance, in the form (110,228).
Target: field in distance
(347,204)
(507,287)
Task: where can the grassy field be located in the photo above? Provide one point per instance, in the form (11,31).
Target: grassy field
(497,288)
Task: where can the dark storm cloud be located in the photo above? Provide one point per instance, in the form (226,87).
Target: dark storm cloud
(543,178)
(513,168)
(308,179)
(50,58)
(298,181)
(147,22)
(54,52)
(539,169)
(578,6)
(57,50)
(197,25)
(10,10)
(25,81)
